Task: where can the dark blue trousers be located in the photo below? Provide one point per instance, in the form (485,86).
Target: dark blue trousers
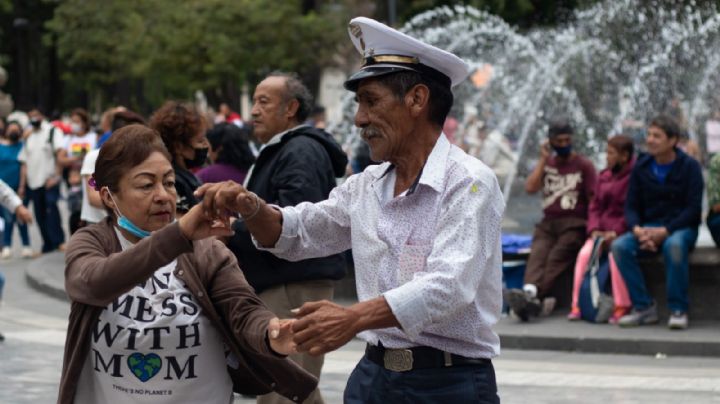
(47,215)
(370,383)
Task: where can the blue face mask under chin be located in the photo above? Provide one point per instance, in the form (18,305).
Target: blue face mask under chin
(125,223)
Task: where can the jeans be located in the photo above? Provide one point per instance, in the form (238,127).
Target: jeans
(47,216)
(10,221)
(713,223)
(370,383)
(675,250)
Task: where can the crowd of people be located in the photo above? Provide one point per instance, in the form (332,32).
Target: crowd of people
(637,206)
(212,249)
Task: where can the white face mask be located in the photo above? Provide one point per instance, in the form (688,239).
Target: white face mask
(75,127)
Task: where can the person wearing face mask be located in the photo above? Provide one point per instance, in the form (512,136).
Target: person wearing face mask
(10,146)
(160,302)
(182,129)
(606,219)
(81,141)
(567,181)
(43,158)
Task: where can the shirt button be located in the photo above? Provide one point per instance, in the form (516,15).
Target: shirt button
(200,294)
(180,272)
(295,398)
(272,385)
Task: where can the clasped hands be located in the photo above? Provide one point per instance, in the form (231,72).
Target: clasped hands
(318,327)
(650,238)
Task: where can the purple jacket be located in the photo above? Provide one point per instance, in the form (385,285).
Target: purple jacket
(607,208)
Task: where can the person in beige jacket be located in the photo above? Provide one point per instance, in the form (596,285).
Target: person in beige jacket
(160,310)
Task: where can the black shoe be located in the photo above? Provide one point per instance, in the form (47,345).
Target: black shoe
(521,304)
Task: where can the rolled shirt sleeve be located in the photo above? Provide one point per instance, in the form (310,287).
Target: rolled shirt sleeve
(8,197)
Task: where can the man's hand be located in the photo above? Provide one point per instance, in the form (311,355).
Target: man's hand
(280,335)
(658,235)
(23,214)
(222,198)
(324,326)
(545,150)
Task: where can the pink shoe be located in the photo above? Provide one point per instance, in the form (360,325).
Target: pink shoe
(619,312)
(574,314)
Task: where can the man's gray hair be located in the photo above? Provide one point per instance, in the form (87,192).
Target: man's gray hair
(296,90)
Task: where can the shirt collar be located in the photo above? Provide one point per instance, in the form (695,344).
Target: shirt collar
(278,138)
(432,173)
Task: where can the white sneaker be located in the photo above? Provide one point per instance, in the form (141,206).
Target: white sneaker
(28,252)
(678,320)
(6,253)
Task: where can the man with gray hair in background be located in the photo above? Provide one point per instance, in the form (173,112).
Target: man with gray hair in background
(297,163)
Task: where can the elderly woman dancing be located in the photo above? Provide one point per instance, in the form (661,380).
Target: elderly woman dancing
(161,312)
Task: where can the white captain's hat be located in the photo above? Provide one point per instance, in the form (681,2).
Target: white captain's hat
(386,50)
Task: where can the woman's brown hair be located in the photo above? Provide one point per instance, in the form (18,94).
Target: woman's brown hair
(128,147)
(623,144)
(177,123)
(83,115)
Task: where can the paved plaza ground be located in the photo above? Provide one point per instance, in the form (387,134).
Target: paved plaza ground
(34,324)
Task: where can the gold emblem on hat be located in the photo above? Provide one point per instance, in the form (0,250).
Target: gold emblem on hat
(356,31)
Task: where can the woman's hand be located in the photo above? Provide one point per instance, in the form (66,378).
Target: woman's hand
(280,335)
(196,226)
(219,199)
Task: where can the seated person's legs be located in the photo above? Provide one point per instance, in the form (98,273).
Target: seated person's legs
(581,263)
(524,302)
(676,251)
(625,250)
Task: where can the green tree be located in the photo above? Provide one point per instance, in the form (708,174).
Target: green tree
(165,48)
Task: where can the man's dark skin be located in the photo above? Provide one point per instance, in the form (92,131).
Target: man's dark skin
(397,130)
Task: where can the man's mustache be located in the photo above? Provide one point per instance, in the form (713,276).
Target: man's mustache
(369,131)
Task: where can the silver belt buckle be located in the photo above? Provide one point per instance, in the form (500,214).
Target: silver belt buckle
(398,360)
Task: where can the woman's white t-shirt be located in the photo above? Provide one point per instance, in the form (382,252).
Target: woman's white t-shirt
(90,213)
(154,345)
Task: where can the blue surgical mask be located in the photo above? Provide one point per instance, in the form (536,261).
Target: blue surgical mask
(563,151)
(125,223)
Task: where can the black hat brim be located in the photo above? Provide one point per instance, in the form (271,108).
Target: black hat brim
(351,84)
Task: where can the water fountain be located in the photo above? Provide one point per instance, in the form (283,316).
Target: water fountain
(618,62)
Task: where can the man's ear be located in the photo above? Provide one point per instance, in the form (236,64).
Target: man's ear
(417,99)
(292,108)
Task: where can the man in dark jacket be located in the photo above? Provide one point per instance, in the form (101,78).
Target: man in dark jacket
(662,209)
(297,163)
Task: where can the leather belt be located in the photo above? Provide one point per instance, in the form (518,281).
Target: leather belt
(403,360)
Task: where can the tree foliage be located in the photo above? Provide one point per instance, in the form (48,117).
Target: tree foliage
(172,48)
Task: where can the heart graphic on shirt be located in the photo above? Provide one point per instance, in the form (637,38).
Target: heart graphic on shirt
(144,367)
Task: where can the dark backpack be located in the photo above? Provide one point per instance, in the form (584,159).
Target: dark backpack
(596,304)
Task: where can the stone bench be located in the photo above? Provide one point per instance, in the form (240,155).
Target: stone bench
(704,288)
